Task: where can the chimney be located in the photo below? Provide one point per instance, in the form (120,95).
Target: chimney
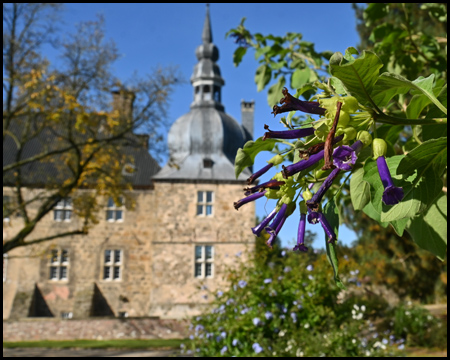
(247,115)
(123,102)
(143,140)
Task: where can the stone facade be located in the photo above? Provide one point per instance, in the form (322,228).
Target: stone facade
(157,243)
(182,234)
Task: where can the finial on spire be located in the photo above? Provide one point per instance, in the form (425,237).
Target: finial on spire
(207,34)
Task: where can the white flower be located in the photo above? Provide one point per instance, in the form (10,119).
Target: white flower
(282,333)
(306,326)
(363,308)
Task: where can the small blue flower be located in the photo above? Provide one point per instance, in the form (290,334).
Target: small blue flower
(257,348)
(294,317)
(242,283)
(267,281)
(256,321)
(268,315)
(219,293)
(235,342)
(223,350)
(309,268)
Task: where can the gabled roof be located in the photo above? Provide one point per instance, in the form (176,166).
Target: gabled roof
(51,171)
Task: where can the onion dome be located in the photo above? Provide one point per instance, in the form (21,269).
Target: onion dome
(203,143)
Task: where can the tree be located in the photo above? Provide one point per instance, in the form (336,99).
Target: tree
(60,134)
(400,178)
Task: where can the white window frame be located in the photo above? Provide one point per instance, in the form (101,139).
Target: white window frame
(64,206)
(204,203)
(112,264)
(203,261)
(111,206)
(66,315)
(59,263)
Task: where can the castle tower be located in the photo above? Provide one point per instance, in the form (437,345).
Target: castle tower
(198,232)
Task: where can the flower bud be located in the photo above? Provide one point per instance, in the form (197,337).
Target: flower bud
(276,160)
(350,104)
(379,147)
(364,137)
(307,195)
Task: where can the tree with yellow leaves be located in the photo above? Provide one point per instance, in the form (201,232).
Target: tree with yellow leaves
(61,136)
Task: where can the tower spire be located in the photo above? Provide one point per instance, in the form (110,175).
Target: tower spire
(206,78)
(207,34)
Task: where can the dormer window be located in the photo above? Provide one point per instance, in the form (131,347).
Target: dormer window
(207,163)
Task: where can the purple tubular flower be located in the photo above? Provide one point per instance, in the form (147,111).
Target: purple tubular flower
(276,225)
(257,229)
(248,199)
(273,184)
(289,134)
(315,216)
(343,158)
(304,164)
(301,235)
(259,173)
(392,194)
(301,165)
(291,103)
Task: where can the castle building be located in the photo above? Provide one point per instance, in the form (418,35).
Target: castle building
(182,234)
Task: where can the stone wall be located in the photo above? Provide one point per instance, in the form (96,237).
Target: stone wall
(98,329)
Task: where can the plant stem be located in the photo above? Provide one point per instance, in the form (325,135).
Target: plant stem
(386,119)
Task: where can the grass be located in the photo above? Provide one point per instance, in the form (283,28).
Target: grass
(97,344)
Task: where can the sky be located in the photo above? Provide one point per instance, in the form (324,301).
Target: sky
(152,35)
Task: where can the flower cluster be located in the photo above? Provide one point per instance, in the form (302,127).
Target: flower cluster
(338,152)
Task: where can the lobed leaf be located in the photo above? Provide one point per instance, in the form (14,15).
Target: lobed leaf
(429,231)
(358,75)
(246,156)
(432,152)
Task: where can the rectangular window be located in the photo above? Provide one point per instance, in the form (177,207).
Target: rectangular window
(59,264)
(205,201)
(112,267)
(204,261)
(63,210)
(114,212)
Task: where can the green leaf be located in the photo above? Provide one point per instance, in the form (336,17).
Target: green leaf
(416,105)
(417,196)
(432,152)
(300,77)
(262,77)
(337,85)
(358,76)
(359,190)
(429,231)
(332,214)
(246,156)
(389,85)
(238,54)
(274,95)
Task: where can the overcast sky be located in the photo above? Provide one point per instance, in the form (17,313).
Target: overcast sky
(148,35)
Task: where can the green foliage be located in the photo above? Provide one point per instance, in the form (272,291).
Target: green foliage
(418,327)
(287,307)
(408,113)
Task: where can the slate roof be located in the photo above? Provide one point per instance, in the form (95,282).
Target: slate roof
(50,172)
(203,143)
